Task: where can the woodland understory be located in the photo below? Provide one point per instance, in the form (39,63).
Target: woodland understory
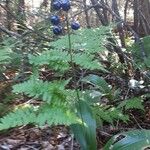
(75,74)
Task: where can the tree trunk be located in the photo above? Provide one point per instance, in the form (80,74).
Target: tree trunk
(86,13)
(119,25)
(99,11)
(8,24)
(142,17)
(21,16)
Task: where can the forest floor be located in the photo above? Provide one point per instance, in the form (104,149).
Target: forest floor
(59,138)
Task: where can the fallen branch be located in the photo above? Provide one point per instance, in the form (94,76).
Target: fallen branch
(10,33)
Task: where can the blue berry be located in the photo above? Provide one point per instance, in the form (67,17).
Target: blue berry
(75,25)
(57,5)
(57,30)
(55,20)
(65,5)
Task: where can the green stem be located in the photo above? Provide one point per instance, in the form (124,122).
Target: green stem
(72,65)
(69,41)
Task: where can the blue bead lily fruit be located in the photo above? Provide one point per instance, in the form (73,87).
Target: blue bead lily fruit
(55,20)
(57,30)
(65,5)
(57,5)
(75,25)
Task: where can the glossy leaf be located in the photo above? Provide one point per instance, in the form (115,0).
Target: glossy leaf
(99,82)
(85,133)
(132,140)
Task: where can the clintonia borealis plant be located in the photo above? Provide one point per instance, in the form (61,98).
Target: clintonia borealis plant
(63,101)
(73,97)
(59,104)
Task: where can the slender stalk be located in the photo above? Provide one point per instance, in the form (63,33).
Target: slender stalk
(72,65)
(69,41)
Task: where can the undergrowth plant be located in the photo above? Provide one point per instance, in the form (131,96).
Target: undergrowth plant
(77,97)
(142,62)
(81,88)
(5,51)
(61,104)
(136,139)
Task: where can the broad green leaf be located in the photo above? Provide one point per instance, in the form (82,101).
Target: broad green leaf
(99,82)
(132,140)
(85,133)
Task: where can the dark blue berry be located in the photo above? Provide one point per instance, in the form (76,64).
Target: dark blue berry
(57,30)
(75,25)
(55,20)
(65,5)
(57,4)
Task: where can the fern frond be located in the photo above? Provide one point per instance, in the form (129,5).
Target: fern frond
(83,51)
(56,59)
(117,114)
(133,103)
(102,115)
(47,91)
(86,40)
(136,51)
(59,60)
(6,50)
(56,116)
(4,55)
(86,61)
(41,116)
(17,118)
(109,115)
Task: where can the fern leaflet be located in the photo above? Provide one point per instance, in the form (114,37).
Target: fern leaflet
(48,91)
(92,40)
(133,103)
(41,116)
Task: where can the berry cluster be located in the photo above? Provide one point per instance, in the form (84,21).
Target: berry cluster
(55,20)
